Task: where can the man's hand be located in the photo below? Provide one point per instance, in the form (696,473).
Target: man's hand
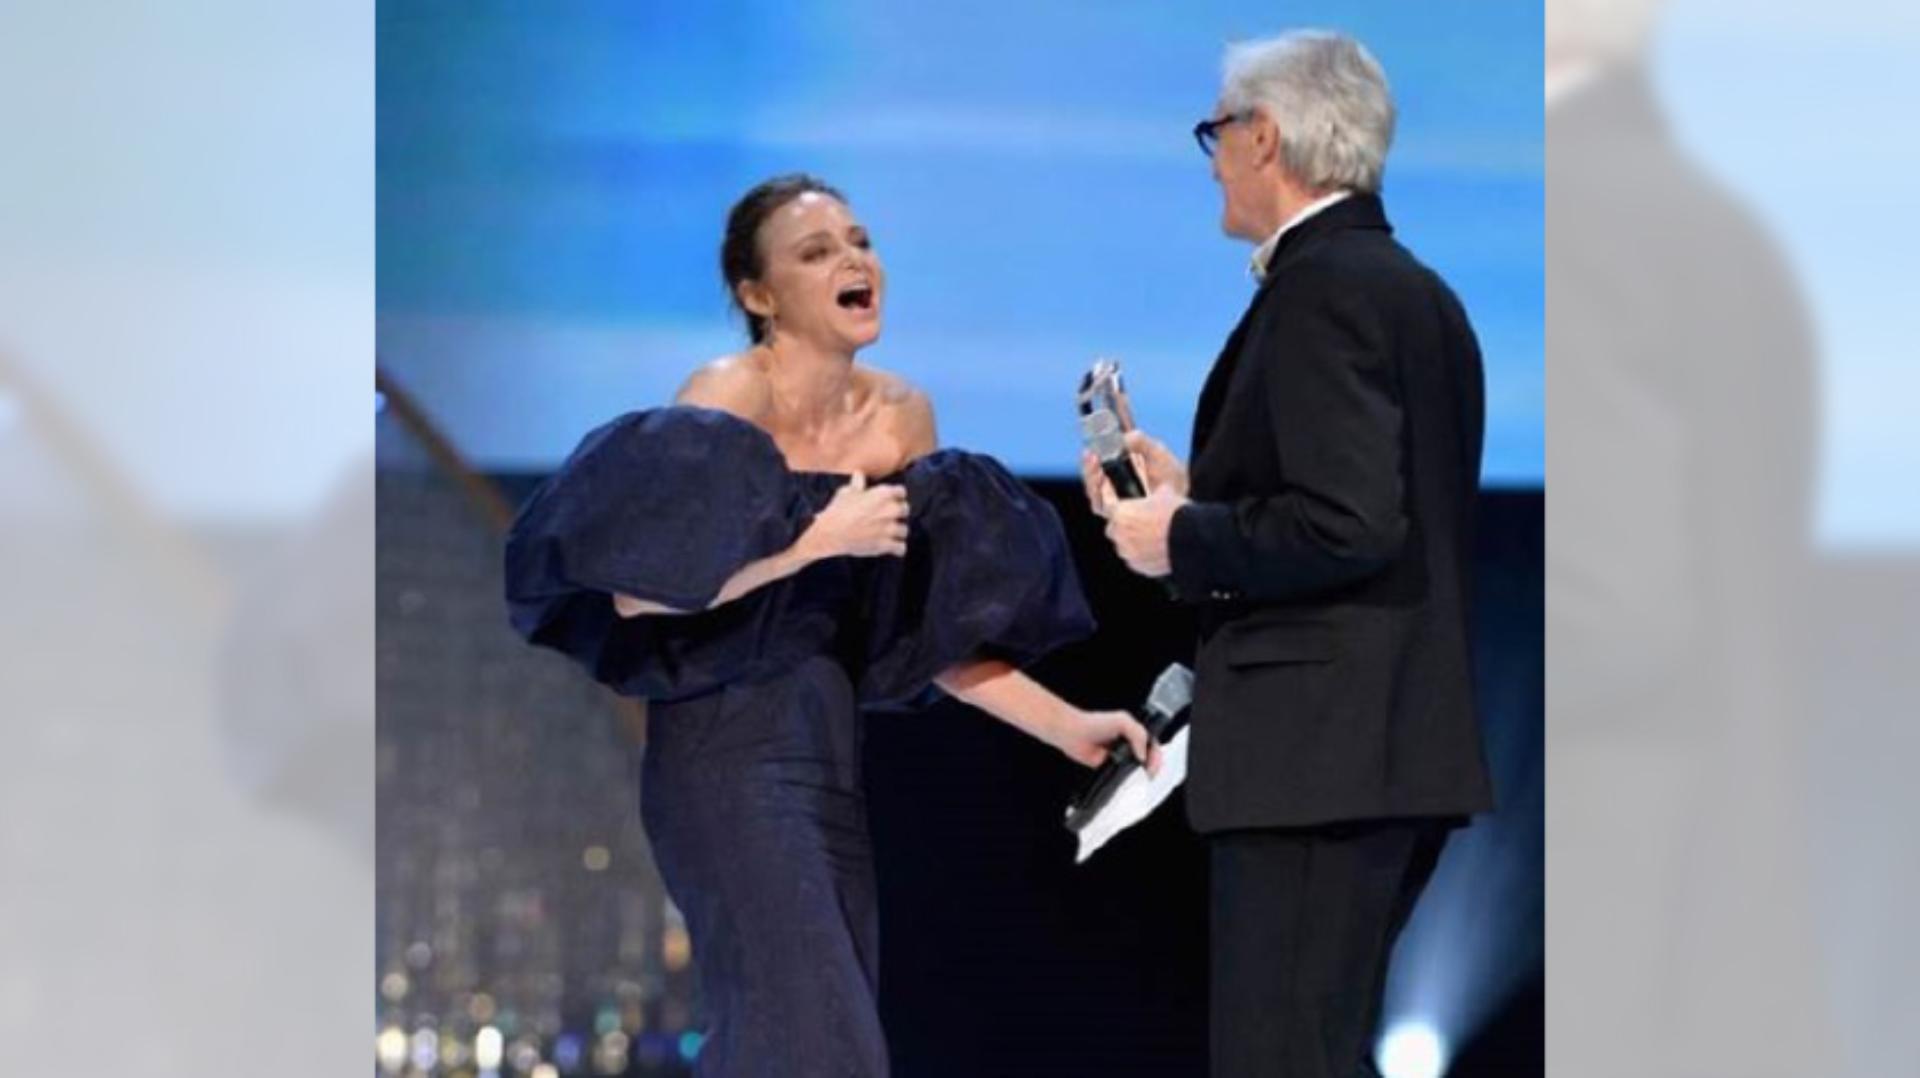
(1158,466)
(1151,458)
(1099,491)
(1138,529)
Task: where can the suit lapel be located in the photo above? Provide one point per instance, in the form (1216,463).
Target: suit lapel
(1355,211)
(1214,393)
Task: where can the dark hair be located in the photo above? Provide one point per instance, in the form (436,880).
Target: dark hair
(740,258)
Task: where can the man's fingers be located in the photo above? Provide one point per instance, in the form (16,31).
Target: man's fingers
(1099,491)
(1146,444)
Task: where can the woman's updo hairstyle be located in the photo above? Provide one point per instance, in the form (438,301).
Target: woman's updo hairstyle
(740,257)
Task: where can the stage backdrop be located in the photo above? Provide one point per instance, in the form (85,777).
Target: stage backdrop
(552,189)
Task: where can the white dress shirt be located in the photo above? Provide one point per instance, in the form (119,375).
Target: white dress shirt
(1264,253)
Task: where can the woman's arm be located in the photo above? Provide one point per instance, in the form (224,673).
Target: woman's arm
(860,522)
(753,575)
(1007,694)
(1001,690)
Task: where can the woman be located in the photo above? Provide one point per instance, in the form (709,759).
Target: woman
(728,559)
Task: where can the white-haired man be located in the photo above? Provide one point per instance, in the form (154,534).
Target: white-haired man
(1325,536)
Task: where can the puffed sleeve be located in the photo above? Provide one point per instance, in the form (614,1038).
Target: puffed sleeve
(988,574)
(665,505)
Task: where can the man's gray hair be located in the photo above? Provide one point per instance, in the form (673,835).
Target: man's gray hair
(1329,98)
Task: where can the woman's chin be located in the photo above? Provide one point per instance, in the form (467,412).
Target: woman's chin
(860,336)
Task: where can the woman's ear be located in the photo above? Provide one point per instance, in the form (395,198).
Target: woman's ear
(755,298)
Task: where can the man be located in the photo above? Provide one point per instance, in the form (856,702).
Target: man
(1325,535)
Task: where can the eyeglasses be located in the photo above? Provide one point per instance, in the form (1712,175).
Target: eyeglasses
(1207,132)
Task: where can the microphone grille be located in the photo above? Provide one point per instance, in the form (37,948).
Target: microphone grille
(1172,691)
(1100,430)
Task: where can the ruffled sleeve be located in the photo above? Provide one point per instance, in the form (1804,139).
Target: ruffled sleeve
(988,574)
(663,505)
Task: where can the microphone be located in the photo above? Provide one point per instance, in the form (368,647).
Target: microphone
(1105,419)
(1101,433)
(1172,692)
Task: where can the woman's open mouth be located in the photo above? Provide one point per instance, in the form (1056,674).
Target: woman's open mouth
(855,297)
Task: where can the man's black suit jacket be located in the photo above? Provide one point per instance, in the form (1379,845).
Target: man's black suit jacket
(1335,465)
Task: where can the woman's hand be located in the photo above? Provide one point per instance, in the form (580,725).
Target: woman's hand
(860,521)
(1086,736)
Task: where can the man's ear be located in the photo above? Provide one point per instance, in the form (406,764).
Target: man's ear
(1266,138)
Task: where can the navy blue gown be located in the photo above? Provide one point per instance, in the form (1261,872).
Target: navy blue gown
(751,790)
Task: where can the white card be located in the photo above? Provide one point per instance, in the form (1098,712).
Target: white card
(1136,798)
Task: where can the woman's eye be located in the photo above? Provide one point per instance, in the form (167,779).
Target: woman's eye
(813,255)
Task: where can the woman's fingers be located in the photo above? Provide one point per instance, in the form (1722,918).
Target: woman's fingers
(1141,741)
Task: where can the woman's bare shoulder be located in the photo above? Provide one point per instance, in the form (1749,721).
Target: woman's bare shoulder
(909,409)
(734,384)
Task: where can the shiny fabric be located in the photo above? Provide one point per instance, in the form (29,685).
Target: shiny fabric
(751,790)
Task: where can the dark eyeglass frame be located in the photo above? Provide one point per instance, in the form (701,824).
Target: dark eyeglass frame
(1207,132)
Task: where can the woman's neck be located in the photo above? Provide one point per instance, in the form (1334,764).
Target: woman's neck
(812,386)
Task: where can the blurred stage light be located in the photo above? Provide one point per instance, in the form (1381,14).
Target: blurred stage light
(426,1049)
(690,1046)
(676,947)
(391,1049)
(1412,1050)
(394,986)
(489,1048)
